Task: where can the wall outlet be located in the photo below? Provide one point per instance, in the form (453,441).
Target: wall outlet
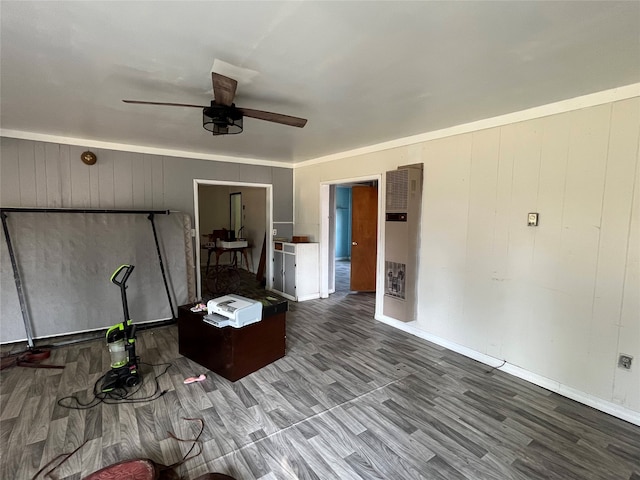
(624,361)
(275,231)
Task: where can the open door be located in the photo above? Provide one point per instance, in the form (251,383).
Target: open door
(364,235)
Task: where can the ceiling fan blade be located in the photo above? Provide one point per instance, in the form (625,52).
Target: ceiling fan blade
(224,89)
(165,104)
(274,117)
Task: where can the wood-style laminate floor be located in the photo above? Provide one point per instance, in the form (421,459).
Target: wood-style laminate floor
(352,399)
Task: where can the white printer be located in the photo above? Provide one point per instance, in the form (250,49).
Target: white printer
(233,310)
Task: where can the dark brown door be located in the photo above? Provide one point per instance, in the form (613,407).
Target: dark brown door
(364,236)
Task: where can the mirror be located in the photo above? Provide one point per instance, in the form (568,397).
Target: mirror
(235,206)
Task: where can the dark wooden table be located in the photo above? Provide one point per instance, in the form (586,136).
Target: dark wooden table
(231,352)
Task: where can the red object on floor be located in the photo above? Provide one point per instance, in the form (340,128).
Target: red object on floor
(31,358)
(139,469)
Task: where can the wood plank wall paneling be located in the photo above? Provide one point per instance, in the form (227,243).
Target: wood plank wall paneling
(93,183)
(624,141)
(79,180)
(123,189)
(137,183)
(64,168)
(27,173)
(9,174)
(53,182)
(554,286)
(106,179)
(157,182)
(36,174)
(283,196)
(479,290)
(560,300)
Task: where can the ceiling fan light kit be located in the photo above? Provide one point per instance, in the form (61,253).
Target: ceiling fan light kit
(222,117)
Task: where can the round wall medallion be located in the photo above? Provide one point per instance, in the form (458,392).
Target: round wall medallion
(88,157)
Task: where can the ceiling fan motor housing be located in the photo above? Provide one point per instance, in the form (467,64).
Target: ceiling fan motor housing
(222,119)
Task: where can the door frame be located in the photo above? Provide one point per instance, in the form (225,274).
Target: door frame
(327,254)
(268,222)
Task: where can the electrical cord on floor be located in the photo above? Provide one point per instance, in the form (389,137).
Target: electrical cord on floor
(496,368)
(119,395)
(187,456)
(162,468)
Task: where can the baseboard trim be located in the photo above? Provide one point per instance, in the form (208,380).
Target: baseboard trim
(592,401)
(312,296)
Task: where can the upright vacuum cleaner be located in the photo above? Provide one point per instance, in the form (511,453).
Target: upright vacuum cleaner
(121,340)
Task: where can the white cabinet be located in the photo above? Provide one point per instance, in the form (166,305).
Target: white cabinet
(296,270)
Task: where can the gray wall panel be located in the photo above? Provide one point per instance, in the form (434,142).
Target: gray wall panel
(64,167)
(179,174)
(9,173)
(256,174)
(282,195)
(122,185)
(137,180)
(53,180)
(285,230)
(40,163)
(27,169)
(52,175)
(79,181)
(37,174)
(106,173)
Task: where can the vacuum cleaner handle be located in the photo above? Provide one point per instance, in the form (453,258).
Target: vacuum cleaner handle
(128,270)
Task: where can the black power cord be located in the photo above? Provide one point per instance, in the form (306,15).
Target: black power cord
(495,368)
(119,395)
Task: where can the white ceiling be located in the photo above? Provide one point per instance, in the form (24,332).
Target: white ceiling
(361,72)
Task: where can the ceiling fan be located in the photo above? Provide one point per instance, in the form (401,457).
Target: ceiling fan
(222,117)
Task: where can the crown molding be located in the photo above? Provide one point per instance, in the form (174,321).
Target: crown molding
(125,147)
(563,106)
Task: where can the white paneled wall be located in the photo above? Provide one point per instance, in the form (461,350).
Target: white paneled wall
(559,301)
(547,299)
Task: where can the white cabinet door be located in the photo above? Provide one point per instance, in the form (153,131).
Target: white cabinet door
(290,274)
(278,271)
(296,270)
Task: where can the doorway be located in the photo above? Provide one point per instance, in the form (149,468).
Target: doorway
(338,236)
(247,207)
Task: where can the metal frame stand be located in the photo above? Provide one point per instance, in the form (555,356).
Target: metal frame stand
(16,272)
(16,278)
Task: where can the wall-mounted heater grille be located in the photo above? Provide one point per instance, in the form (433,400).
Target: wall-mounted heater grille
(402,235)
(397,191)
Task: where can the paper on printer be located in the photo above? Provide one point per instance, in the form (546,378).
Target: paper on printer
(233,310)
